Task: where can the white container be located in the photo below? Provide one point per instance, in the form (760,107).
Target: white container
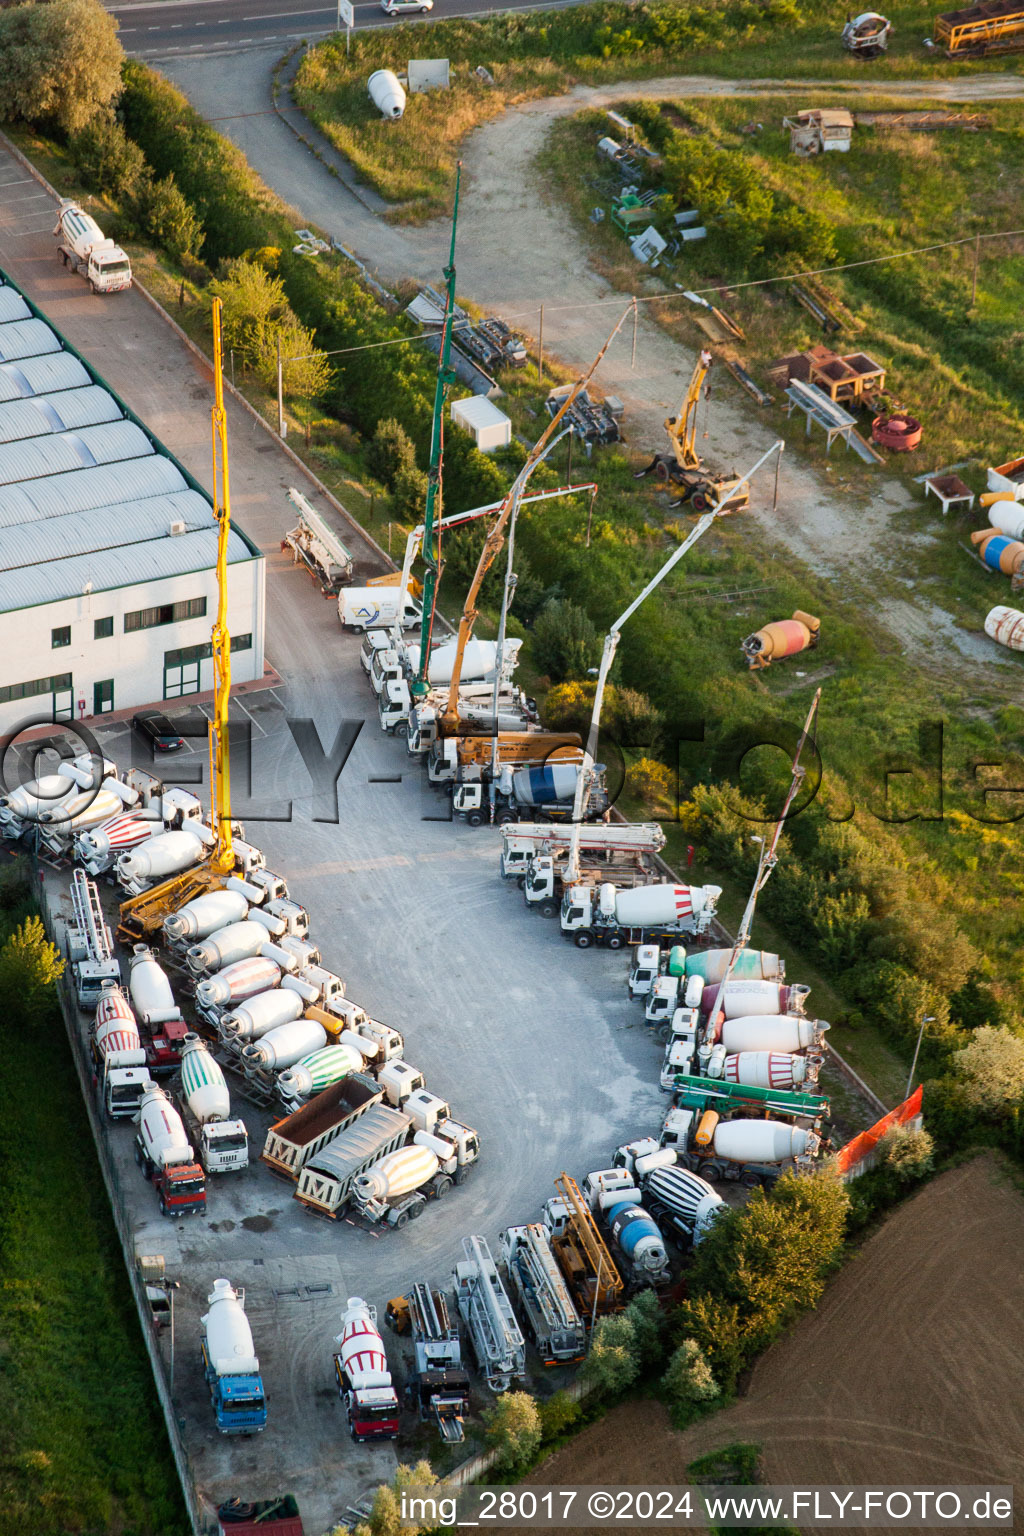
(742,998)
(116,1027)
(397,1174)
(1006,625)
(489,427)
(649,904)
(198,918)
(1008,517)
(286,1045)
(261,1013)
(760,1141)
(361,1348)
(39,795)
(114,837)
(165,855)
(228,1335)
(478,661)
(150,988)
(769,1032)
(766,1069)
(386,93)
(163,1134)
(203,1084)
(225,946)
(236,982)
(88,809)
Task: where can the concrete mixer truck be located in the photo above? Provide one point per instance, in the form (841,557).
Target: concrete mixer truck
(647,914)
(164,1153)
(725,1130)
(542,793)
(679,1200)
(618,1205)
(222,1143)
(364,1381)
(396,1189)
(159,1013)
(122,1076)
(82,246)
(230,1365)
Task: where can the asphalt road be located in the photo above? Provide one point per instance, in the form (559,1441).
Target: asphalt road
(156,28)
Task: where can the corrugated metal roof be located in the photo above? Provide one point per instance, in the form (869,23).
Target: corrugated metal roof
(153,561)
(107,444)
(26,338)
(12,305)
(112,528)
(86,499)
(43,414)
(105,486)
(41,376)
(371,1131)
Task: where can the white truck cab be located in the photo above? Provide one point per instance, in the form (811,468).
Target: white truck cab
(645,970)
(662,1000)
(374,640)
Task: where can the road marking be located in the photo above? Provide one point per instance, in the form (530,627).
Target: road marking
(19,181)
(274,15)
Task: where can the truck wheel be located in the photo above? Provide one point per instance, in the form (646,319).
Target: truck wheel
(521,882)
(548,909)
(665,1033)
(475,818)
(442,1187)
(401,1219)
(402,729)
(710,1171)
(163,1206)
(462,1173)
(615,942)
(504,818)
(138,1155)
(583,941)
(416,1211)
(751,1180)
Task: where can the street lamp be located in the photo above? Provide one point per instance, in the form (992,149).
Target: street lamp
(929,1019)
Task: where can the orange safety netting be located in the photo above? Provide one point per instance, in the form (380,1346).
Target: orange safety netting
(856,1150)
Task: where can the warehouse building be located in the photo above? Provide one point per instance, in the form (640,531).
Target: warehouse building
(108,546)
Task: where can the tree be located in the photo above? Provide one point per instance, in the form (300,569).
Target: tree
(990,1070)
(564,641)
(907,1153)
(29,967)
(645,1314)
(513,1428)
(652,783)
(557,1415)
(306,372)
(613,1363)
(386,1518)
(389,451)
(409,495)
(252,301)
(689,1381)
(105,157)
(169,220)
(60,61)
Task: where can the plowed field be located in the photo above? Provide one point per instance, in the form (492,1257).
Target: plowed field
(910,1372)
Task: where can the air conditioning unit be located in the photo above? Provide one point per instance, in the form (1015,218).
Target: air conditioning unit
(176,528)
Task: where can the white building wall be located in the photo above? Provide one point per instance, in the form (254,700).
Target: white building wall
(133,660)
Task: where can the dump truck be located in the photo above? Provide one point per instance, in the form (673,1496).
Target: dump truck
(82,246)
(293,1141)
(647,914)
(677,1198)
(230,1364)
(441,1153)
(581,1252)
(222,1144)
(547,791)
(525,840)
(467,759)
(552,1321)
(326,1179)
(439,1389)
(364,1381)
(636,1238)
(122,1074)
(494,1335)
(164,1153)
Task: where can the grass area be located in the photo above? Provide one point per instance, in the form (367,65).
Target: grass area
(82,1443)
(953,363)
(412,162)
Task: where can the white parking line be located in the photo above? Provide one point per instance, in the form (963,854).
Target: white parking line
(20,181)
(29,197)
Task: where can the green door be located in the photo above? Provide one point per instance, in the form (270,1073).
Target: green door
(103,697)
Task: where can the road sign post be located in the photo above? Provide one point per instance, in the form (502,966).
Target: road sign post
(346,19)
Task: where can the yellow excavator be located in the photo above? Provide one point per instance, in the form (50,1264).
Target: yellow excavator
(684,467)
(142,916)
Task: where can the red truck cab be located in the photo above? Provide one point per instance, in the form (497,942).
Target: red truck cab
(182,1189)
(372,1411)
(163,1048)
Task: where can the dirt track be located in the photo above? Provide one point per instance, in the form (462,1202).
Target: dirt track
(909,1372)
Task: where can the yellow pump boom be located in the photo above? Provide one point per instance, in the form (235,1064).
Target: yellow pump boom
(222,860)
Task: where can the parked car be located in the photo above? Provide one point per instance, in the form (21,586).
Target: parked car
(157,730)
(406,7)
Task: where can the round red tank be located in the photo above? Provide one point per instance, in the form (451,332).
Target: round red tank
(898,432)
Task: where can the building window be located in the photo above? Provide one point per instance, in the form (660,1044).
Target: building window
(241,642)
(103,697)
(61,636)
(59,684)
(186,654)
(167,613)
(102,629)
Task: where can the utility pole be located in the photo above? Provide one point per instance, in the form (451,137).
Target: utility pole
(974,284)
(540,348)
(280,390)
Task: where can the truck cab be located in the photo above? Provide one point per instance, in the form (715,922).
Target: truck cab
(680,1050)
(122,1087)
(393,705)
(385,667)
(645,970)
(163,1048)
(540,887)
(374,640)
(224,1146)
(181,1189)
(662,1000)
(239,1402)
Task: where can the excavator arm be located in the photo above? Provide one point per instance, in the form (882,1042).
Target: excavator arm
(682,428)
